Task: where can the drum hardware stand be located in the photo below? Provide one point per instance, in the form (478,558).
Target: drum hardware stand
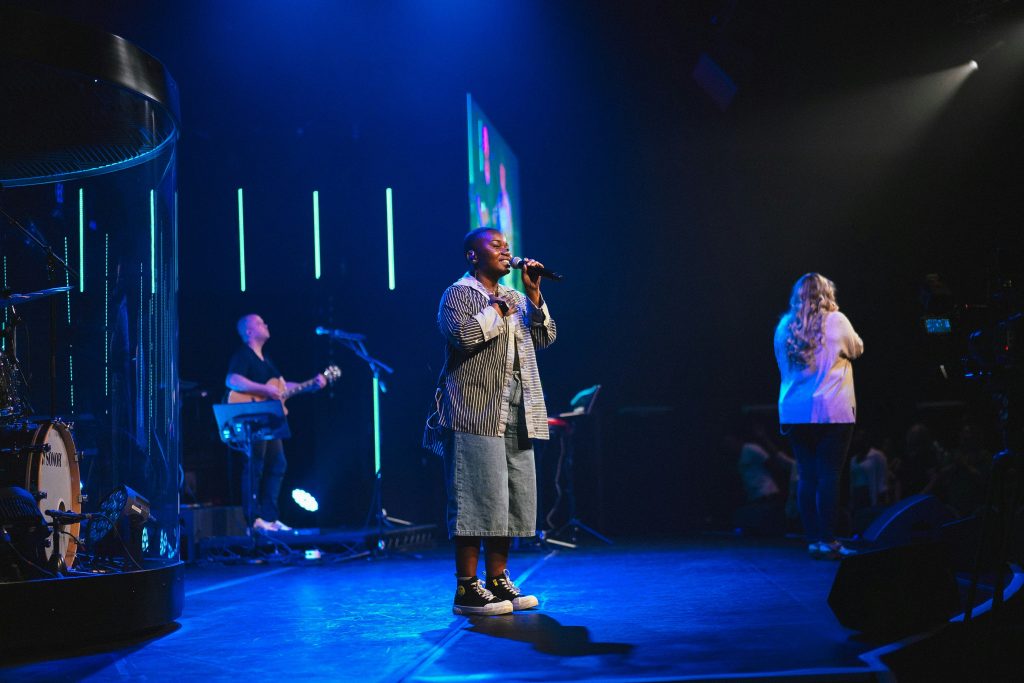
(355,343)
(12,368)
(41,448)
(52,263)
(240,425)
(62,518)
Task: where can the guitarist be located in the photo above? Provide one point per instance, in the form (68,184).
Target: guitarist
(251,371)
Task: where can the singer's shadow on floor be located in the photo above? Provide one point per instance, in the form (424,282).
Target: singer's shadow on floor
(545,634)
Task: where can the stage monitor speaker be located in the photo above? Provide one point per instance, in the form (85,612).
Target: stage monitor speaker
(915,518)
(201,522)
(895,591)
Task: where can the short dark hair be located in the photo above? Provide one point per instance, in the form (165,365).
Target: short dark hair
(469,241)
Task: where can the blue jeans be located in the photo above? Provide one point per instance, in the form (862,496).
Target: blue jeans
(820,451)
(268,467)
(491,481)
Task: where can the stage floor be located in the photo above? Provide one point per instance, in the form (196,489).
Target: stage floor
(707,608)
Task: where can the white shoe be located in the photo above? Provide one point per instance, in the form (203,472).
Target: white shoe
(281,526)
(830,551)
(261,525)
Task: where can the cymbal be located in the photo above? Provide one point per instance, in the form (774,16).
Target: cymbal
(13,299)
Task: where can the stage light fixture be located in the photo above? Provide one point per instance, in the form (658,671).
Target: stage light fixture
(305,500)
(123,502)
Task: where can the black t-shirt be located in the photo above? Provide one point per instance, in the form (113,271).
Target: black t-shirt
(246,363)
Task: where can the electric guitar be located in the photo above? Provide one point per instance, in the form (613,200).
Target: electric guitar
(330,373)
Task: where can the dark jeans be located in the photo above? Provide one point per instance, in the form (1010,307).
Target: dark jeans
(268,467)
(820,451)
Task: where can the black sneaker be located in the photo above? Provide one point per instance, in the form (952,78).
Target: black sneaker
(504,589)
(472,598)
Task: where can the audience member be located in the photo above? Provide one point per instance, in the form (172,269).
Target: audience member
(960,482)
(916,470)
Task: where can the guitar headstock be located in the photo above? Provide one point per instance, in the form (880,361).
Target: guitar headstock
(331,373)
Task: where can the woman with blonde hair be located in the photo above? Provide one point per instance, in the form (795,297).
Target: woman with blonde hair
(814,347)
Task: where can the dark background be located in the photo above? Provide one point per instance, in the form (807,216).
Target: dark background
(853,147)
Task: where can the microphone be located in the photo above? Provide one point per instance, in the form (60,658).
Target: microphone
(520,263)
(340,334)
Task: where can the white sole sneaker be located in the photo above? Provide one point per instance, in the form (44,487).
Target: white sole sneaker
(503,607)
(525,602)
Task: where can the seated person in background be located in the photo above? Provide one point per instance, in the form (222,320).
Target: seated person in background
(960,483)
(761,465)
(756,460)
(915,471)
(869,473)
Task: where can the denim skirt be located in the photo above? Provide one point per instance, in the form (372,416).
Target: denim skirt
(491,481)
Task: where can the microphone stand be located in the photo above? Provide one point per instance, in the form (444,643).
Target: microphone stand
(354,342)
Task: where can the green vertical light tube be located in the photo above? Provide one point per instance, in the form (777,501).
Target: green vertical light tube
(376,426)
(391,242)
(81,239)
(316,233)
(241,239)
(67,278)
(152,241)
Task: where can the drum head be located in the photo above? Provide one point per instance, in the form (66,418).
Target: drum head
(55,472)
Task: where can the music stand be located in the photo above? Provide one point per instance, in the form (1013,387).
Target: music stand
(582,405)
(240,425)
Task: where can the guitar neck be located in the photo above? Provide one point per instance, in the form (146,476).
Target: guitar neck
(298,389)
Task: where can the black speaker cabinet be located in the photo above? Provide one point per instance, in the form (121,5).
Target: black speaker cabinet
(895,591)
(199,522)
(913,518)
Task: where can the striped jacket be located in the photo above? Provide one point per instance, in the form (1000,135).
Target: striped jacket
(473,390)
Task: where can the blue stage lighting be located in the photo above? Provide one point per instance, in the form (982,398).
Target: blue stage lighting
(305,500)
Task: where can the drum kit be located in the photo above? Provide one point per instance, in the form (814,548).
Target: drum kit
(37,455)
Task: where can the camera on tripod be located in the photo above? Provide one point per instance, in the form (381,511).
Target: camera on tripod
(977,340)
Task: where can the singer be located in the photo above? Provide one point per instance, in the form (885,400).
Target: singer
(489,405)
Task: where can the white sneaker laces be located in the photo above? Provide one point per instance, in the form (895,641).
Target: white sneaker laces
(482,591)
(509,586)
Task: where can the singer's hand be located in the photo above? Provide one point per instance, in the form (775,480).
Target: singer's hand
(503,305)
(531,283)
(272,392)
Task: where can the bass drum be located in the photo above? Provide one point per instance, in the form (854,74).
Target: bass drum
(41,457)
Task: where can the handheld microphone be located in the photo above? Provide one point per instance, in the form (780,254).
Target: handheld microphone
(520,263)
(340,334)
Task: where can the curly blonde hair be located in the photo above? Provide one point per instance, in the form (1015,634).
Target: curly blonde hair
(813,297)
